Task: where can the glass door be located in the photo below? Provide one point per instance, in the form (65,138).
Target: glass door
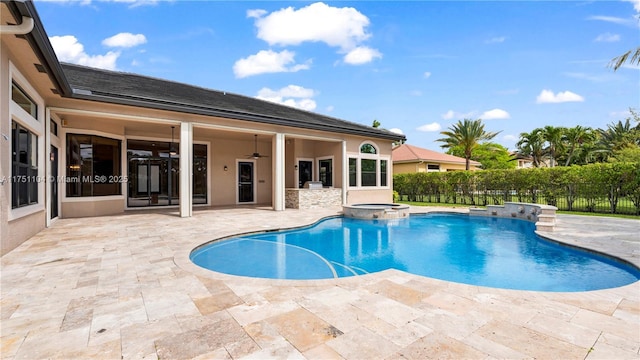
(305,172)
(246,182)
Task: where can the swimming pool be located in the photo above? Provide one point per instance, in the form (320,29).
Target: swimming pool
(494,252)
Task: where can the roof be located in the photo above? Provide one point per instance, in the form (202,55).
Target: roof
(138,90)
(410,153)
(85,83)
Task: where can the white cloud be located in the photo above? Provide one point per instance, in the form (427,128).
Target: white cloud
(344,28)
(510,138)
(330,108)
(458,115)
(361,55)
(427,74)
(291,95)
(125,40)
(495,40)
(396,131)
(636,4)
(547,96)
(434,126)
(68,49)
(268,61)
(607,37)
(616,20)
(449,115)
(602,77)
(415,93)
(495,114)
(318,22)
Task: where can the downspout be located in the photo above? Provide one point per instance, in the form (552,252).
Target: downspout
(24,28)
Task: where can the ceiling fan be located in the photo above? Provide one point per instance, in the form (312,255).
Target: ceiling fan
(256,154)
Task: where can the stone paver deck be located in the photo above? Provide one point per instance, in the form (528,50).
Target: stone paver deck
(122,287)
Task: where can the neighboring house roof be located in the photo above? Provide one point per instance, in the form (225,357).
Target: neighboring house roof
(408,153)
(79,82)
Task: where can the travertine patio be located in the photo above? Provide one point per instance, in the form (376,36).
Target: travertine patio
(122,286)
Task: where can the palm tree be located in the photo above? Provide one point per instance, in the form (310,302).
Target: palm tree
(553,136)
(618,61)
(466,134)
(575,138)
(532,144)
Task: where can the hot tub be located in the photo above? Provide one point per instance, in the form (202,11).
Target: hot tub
(376,211)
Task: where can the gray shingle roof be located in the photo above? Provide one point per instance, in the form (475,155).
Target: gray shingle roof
(137,90)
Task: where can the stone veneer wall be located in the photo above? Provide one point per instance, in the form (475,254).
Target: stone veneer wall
(543,215)
(313,199)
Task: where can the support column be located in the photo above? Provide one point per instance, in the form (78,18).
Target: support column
(278,172)
(186,171)
(345,172)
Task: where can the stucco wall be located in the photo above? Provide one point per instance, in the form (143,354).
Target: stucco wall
(383,196)
(92,208)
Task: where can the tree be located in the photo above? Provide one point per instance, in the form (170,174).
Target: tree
(491,155)
(532,145)
(554,138)
(618,61)
(376,124)
(575,137)
(467,134)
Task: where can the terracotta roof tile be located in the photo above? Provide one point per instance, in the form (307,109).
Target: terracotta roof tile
(408,153)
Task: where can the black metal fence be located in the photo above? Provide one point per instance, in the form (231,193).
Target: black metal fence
(610,189)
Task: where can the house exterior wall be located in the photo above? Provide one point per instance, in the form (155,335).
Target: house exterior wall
(417,167)
(18,225)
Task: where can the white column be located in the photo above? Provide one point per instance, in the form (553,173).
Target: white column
(186,171)
(345,172)
(278,172)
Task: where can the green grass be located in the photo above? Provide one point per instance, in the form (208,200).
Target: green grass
(418,203)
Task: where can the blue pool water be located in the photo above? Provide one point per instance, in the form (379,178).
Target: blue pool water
(495,252)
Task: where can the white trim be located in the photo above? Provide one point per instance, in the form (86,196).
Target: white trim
(255,182)
(329,157)
(297,170)
(37,127)
(123,168)
(377,157)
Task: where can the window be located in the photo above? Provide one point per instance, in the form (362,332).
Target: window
(199,174)
(368,172)
(353,172)
(93,166)
(54,127)
(369,169)
(24,161)
(325,172)
(368,149)
(433,167)
(23,100)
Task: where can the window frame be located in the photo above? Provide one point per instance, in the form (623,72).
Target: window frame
(117,178)
(378,158)
(34,125)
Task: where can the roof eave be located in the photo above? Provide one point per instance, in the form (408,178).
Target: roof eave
(39,42)
(198,110)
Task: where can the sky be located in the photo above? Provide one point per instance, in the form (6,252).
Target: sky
(415,66)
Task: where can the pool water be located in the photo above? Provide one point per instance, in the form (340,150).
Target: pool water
(495,252)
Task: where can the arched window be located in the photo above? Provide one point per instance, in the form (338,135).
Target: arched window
(368,168)
(368,148)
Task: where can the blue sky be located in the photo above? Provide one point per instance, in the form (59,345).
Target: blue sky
(416,66)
